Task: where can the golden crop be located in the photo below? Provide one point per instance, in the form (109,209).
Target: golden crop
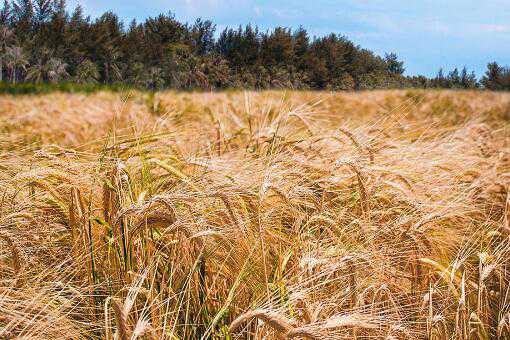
(292,215)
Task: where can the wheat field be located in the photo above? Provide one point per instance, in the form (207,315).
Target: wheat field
(255,215)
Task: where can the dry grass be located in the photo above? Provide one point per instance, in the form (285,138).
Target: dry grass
(294,215)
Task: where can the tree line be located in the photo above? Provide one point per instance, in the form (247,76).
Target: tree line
(41,42)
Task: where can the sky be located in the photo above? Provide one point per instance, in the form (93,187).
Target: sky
(426,34)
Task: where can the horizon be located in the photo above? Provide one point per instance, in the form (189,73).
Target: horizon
(453,36)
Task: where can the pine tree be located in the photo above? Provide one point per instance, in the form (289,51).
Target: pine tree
(301,45)
(5,14)
(23,13)
(43,11)
(493,75)
(202,36)
(394,66)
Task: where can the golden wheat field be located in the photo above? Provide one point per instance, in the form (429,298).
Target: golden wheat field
(255,215)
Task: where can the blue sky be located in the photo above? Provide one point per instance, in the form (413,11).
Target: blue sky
(426,34)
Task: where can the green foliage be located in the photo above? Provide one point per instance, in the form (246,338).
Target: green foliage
(344,83)
(41,42)
(497,77)
(39,88)
(455,80)
(394,66)
(87,72)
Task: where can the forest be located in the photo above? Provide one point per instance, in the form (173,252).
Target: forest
(41,42)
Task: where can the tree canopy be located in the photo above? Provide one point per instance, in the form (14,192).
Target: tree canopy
(41,42)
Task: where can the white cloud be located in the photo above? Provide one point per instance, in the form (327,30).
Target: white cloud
(493,28)
(202,5)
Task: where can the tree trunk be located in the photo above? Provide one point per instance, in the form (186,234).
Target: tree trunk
(1,69)
(107,73)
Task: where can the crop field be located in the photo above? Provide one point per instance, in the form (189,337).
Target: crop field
(255,215)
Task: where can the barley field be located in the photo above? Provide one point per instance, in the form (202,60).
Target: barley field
(255,215)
